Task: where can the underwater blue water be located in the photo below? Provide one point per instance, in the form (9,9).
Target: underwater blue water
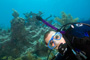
(77,8)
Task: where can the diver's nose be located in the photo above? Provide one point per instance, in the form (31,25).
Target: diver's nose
(53,44)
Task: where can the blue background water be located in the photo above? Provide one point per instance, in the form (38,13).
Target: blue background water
(77,8)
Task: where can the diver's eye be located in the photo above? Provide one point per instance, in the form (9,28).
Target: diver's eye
(56,37)
(51,42)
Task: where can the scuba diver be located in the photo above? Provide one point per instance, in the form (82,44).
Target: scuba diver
(72,40)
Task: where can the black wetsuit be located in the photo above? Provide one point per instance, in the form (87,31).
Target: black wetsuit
(81,43)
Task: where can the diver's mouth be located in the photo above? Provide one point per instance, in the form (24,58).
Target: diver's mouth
(62,48)
(56,47)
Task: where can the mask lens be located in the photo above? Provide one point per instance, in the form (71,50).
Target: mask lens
(57,36)
(51,44)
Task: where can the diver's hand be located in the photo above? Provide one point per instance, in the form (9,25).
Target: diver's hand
(38,18)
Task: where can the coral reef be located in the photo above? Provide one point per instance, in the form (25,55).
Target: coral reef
(25,35)
(18,32)
(66,19)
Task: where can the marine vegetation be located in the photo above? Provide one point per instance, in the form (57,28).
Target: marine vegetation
(24,40)
(66,19)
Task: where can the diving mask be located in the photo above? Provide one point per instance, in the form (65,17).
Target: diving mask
(54,40)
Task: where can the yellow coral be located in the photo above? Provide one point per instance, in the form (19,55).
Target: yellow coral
(20,58)
(66,19)
(5,57)
(10,58)
(30,56)
(39,59)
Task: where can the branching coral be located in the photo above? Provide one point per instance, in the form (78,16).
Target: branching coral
(66,19)
(17,29)
(29,30)
(15,14)
(27,35)
(36,31)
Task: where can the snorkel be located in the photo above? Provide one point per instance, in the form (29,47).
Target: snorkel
(39,18)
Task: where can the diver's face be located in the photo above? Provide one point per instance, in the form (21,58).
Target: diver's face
(57,42)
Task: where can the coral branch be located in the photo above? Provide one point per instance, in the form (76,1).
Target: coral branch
(66,19)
